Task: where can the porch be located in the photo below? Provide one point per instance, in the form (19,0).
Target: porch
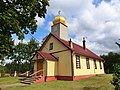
(45,68)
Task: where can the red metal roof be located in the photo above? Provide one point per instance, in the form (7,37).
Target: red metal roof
(46,55)
(78,49)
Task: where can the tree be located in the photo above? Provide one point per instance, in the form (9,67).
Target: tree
(2,70)
(110,60)
(32,46)
(18,17)
(116,75)
(118,44)
(21,56)
(6,45)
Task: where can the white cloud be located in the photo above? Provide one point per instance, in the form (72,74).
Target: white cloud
(101,25)
(16,41)
(40,21)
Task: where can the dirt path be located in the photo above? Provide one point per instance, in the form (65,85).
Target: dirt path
(11,85)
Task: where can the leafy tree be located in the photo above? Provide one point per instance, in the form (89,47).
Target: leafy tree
(21,56)
(32,46)
(18,17)
(110,60)
(6,46)
(116,77)
(2,70)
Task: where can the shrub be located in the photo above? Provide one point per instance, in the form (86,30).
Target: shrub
(116,77)
(2,70)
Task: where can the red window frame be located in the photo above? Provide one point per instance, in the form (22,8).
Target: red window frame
(95,64)
(88,63)
(51,46)
(100,64)
(78,61)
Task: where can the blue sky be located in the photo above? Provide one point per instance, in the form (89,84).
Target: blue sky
(98,20)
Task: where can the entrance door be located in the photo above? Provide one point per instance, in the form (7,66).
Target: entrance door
(40,67)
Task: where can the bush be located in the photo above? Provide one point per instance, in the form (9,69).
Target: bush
(116,77)
(2,70)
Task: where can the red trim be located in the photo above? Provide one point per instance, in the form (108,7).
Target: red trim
(59,51)
(39,80)
(68,78)
(46,55)
(51,78)
(72,67)
(83,76)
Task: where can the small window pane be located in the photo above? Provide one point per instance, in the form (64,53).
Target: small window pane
(87,63)
(51,46)
(95,65)
(100,64)
(78,61)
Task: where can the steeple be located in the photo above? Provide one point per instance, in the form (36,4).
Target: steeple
(59,27)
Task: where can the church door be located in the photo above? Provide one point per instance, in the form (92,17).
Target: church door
(40,67)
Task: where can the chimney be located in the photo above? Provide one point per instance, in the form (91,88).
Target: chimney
(84,43)
(71,43)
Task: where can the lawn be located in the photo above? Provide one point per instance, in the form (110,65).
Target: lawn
(8,80)
(94,83)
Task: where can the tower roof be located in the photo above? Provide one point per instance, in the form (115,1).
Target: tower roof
(59,19)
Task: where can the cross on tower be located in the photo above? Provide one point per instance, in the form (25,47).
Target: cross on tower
(59,12)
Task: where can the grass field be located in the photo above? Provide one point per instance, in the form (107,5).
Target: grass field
(8,80)
(94,83)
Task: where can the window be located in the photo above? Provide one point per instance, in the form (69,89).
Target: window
(78,61)
(51,46)
(95,65)
(87,63)
(100,64)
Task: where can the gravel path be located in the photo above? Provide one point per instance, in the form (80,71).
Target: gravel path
(11,85)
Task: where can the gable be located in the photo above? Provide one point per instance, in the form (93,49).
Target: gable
(43,55)
(57,45)
(60,44)
(36,57)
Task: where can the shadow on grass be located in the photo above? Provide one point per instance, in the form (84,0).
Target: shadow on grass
(91,88)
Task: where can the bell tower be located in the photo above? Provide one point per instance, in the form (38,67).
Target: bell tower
(59,27)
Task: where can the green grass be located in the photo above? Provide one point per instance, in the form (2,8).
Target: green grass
(94,83)
(9,80)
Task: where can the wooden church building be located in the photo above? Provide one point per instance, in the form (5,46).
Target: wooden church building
(61,59)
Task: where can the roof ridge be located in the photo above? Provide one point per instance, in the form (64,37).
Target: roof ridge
(77,48)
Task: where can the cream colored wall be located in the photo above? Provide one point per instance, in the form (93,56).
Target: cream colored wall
(98,70)
(57,46)
(35,66)
(52,68)
(83,70)
(63,32)
(64,58)
(44,67)
(64,63)
(56,29)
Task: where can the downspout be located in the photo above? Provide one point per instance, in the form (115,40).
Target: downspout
(46,71)
(94,65)
(72,66)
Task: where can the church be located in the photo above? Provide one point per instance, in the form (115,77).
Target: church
(61,59)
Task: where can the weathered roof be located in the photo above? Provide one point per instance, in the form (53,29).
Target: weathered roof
(77,48)
(46,55)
